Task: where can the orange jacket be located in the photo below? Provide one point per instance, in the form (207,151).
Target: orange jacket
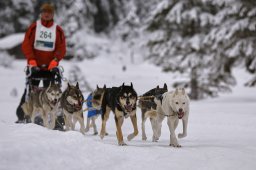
(43,57)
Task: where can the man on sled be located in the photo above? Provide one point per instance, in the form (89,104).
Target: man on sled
(44,46)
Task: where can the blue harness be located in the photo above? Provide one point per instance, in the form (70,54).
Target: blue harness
(91,112)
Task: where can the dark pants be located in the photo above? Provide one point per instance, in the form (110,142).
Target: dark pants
(33,81)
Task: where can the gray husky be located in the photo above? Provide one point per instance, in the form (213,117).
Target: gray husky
(71,104)
(174,106)
(45,102)
(148,105)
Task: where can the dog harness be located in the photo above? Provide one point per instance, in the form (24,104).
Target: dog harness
(91,110)
(45,37)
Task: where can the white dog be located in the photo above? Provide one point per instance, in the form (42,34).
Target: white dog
(174,106)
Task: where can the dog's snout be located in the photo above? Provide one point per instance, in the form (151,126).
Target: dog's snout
(55,100)
(180,110)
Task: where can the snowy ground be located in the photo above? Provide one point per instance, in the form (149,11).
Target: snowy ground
(220,132)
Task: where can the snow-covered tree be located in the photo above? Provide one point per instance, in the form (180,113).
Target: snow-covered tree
(75,75)
(203,39)
(15,15)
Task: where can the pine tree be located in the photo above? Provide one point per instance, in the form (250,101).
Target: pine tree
(15,16)
(75,75)
(203,39)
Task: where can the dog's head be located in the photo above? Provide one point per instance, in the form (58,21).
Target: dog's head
(127,98)
(53,93)
(180,102)
(160,91)
(74,96)
(97,97)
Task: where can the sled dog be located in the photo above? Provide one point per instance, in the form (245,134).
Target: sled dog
(71,104)
(148,105)
(92,115)
(174,106)
(45,102)
(122,102)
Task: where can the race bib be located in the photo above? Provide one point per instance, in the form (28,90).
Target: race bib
(45,37)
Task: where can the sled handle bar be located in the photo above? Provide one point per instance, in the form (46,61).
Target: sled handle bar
(29,70)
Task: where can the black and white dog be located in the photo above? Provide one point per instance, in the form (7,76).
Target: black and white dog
(147,104)
(122,102)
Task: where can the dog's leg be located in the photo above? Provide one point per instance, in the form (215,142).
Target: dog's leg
(119,121)
(53,119)
(45,118)
(185,125)
(104,121)
(158,125)
(135,127)
(94,125)
(74,120)
(67,121)
(81,122)
(172,123)
(87,124)
(155,130)
(33,115)
(144,136)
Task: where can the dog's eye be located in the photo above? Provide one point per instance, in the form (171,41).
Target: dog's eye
(132,97)
(177,102)
(183,103)
(97,96)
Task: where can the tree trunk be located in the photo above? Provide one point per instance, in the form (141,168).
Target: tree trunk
(194,95)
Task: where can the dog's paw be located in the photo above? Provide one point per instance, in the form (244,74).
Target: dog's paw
(130,137)
(182,135)
(106,134)
(95,133)
(122,144)
(102,136)
(82,131)
(154,140)
(144,138)
(86,130)
(175,145)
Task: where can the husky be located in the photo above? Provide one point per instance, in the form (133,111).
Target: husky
(122,102)
(45,102)
(148,105)
(71,104)
(174,106)
(92,115)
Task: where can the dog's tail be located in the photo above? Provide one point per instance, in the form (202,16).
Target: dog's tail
(151,114)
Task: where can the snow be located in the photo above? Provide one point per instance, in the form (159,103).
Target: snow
(11,41)
(221,131)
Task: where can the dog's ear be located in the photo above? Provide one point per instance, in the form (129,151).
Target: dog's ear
(48,88)
(77,85)
(58,85)
(183,91)
(97,87)
(131,85)
(165,86)
(176,91)
(123,85)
